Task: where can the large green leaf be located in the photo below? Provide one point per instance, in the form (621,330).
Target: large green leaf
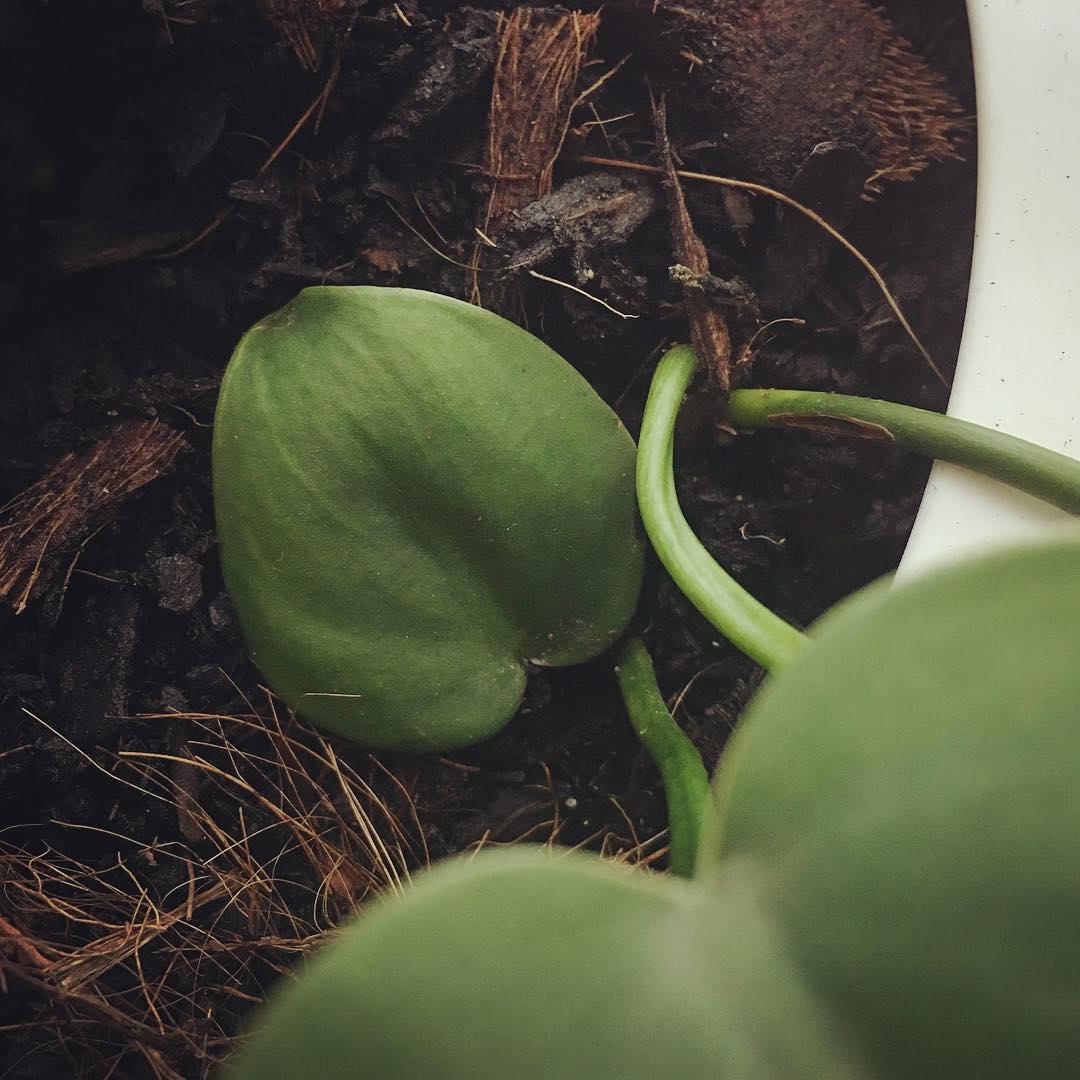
(911,784)
(414,497)
(519,966)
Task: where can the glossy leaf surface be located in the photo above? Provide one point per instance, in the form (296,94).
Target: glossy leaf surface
(522,965)
(911,784)
(414,497)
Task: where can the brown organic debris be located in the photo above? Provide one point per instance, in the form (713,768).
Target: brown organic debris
(457,66)
(303,25)
(708,330)
(314,110)
(161,951)
(785,75)
(810,215)
(915,116)
(540,55)
(48,523)
(595,212)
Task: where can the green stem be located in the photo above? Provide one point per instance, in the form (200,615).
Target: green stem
(749,625)
(1043,473)
(686,783)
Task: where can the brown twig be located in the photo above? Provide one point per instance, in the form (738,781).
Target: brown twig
(708,331)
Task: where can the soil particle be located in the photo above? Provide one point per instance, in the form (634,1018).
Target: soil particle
(177,579)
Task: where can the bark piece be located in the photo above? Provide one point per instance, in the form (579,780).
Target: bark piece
(43,527)
(590,213)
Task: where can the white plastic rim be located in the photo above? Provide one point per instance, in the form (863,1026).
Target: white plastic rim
(1019,364)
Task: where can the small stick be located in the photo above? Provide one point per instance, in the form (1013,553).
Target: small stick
(708,330)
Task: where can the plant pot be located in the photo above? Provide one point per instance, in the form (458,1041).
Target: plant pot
(1019,363)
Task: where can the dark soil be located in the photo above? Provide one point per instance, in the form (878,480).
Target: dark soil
(148,902)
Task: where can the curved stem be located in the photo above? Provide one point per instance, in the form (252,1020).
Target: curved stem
(749,625)
(1043,473)
(686,783)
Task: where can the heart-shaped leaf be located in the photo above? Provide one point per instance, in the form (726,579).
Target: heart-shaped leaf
(911,783)
(523,965)
(414,497)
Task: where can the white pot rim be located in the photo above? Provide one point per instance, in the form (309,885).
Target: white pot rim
(1019,363)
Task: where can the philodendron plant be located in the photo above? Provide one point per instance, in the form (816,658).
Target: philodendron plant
(415,499)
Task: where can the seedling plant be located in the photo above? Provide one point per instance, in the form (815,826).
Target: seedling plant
(417,501)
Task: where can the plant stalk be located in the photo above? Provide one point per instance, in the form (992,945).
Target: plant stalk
(686,783)
(1043,473)
(745,622)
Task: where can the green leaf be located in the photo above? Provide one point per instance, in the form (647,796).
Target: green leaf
(414,497)
(911,783)
(519,965)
